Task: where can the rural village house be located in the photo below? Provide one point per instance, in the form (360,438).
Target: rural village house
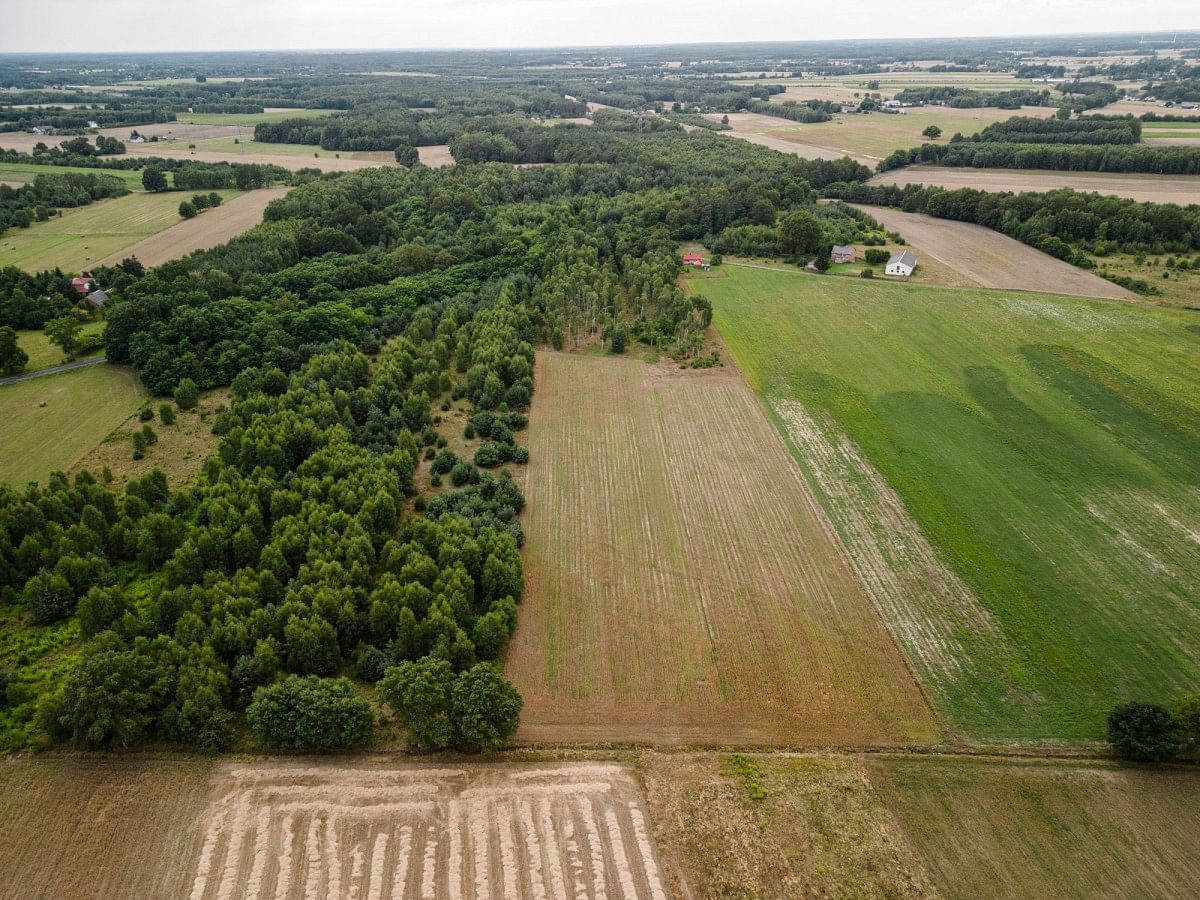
(901,263)
(842,253)
(83,284)
(96,299)
(695,261)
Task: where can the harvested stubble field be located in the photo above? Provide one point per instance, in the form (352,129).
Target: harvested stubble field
(81,237)
(991,259)
(210,228)
(683,584)
(1181,189)
(1014,475)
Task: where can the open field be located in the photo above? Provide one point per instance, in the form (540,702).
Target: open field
(42,353)
(436,156)
(287,156)
(82,407)
(1177,288)
(992,259)
(83,236)
(683,585)
(871,137)
(179,453)
(1017,830)
(210,228)
(26,172)
(1181,189)
(251,119)
(1024,464)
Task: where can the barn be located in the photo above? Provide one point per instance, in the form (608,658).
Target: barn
(693,259)
(901,263)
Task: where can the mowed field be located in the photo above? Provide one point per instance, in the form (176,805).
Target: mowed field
(83,406)
(210,228)
(1022,469)
(370,830)
(23,173)
(991,259)
(682,583)
(870,137)
(1182,189)
(43,353)
(83,236)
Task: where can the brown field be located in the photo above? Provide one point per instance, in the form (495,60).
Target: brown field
(1018,830)
(210,228)
(683,584)
(991,259)
(1152,188)
(292,162)
(436,156)
(179,453)
(365,829)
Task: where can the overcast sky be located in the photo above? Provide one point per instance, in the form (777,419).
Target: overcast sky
(131,25)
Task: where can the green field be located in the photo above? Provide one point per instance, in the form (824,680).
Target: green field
(42,353)
(88,233)
(1047,447)
(251,119)
(28,171)
(245,146)
(82,408)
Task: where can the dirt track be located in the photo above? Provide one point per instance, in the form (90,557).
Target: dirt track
(1152,188)
(992,259)
(210,228)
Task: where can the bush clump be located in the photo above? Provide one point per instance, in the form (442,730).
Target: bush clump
(310,713)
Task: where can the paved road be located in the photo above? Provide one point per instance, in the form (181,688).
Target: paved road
(54,370)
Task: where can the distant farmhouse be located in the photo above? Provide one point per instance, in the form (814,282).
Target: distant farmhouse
(695,261)
(842,254)
(901,263)
(96,300)
(84,284)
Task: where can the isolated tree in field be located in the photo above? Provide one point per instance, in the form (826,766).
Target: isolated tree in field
(166,412)
(485,709)
(419,693)
(310,714)
(932,132)
(187,394)
(187,209)
(154,179)
(1143,731)
(800,233)
(407,156)
(1187,717)
(64,331)
(12,357)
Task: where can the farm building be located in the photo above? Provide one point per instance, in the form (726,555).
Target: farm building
(693,259)
(901,263)
(96,299)
(842,253)
(83,284)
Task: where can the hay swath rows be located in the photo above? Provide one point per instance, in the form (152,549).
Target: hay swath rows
(373,833)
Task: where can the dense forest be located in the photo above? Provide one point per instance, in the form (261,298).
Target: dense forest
(1159,160)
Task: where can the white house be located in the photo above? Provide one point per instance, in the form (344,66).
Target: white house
(901,263)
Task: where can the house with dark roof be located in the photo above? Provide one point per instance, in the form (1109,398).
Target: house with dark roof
(901,263)
(96,299)
(842,253)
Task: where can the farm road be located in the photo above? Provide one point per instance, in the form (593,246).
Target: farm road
(53,370)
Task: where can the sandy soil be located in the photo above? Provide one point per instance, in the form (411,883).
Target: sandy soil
(436,156)
(992,259)
(1153,188)
(211,227)
(682,583)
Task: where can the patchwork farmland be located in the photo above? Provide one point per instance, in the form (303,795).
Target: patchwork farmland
(683,583)
(1046,448)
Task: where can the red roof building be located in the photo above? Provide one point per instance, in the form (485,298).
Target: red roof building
(83,284)
(693,259)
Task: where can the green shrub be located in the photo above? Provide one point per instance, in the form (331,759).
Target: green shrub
(310,713)
(1143,731)
(187,394)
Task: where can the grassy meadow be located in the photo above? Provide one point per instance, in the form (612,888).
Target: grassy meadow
(43,353)
(1047,447)
(85,234)
(82,408)
(26,172)
(252,119)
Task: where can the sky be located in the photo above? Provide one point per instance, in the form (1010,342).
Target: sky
(155,25)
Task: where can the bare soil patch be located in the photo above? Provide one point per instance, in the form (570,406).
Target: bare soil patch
(212,227)
(291,162)
(1180,189)
(436,156)
(683,584)
(992,259)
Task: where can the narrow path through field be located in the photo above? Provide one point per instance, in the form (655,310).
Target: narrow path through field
(53,370)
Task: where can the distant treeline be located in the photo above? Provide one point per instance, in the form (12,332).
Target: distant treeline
(1159,160)
(968,98)
(1087,130)
(80,119)
(811,111)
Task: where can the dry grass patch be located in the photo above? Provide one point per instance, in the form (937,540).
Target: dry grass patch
(683,584)
(1182,189)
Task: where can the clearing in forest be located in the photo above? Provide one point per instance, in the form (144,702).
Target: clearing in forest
(683,584)
(991,259)
(1014,474)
